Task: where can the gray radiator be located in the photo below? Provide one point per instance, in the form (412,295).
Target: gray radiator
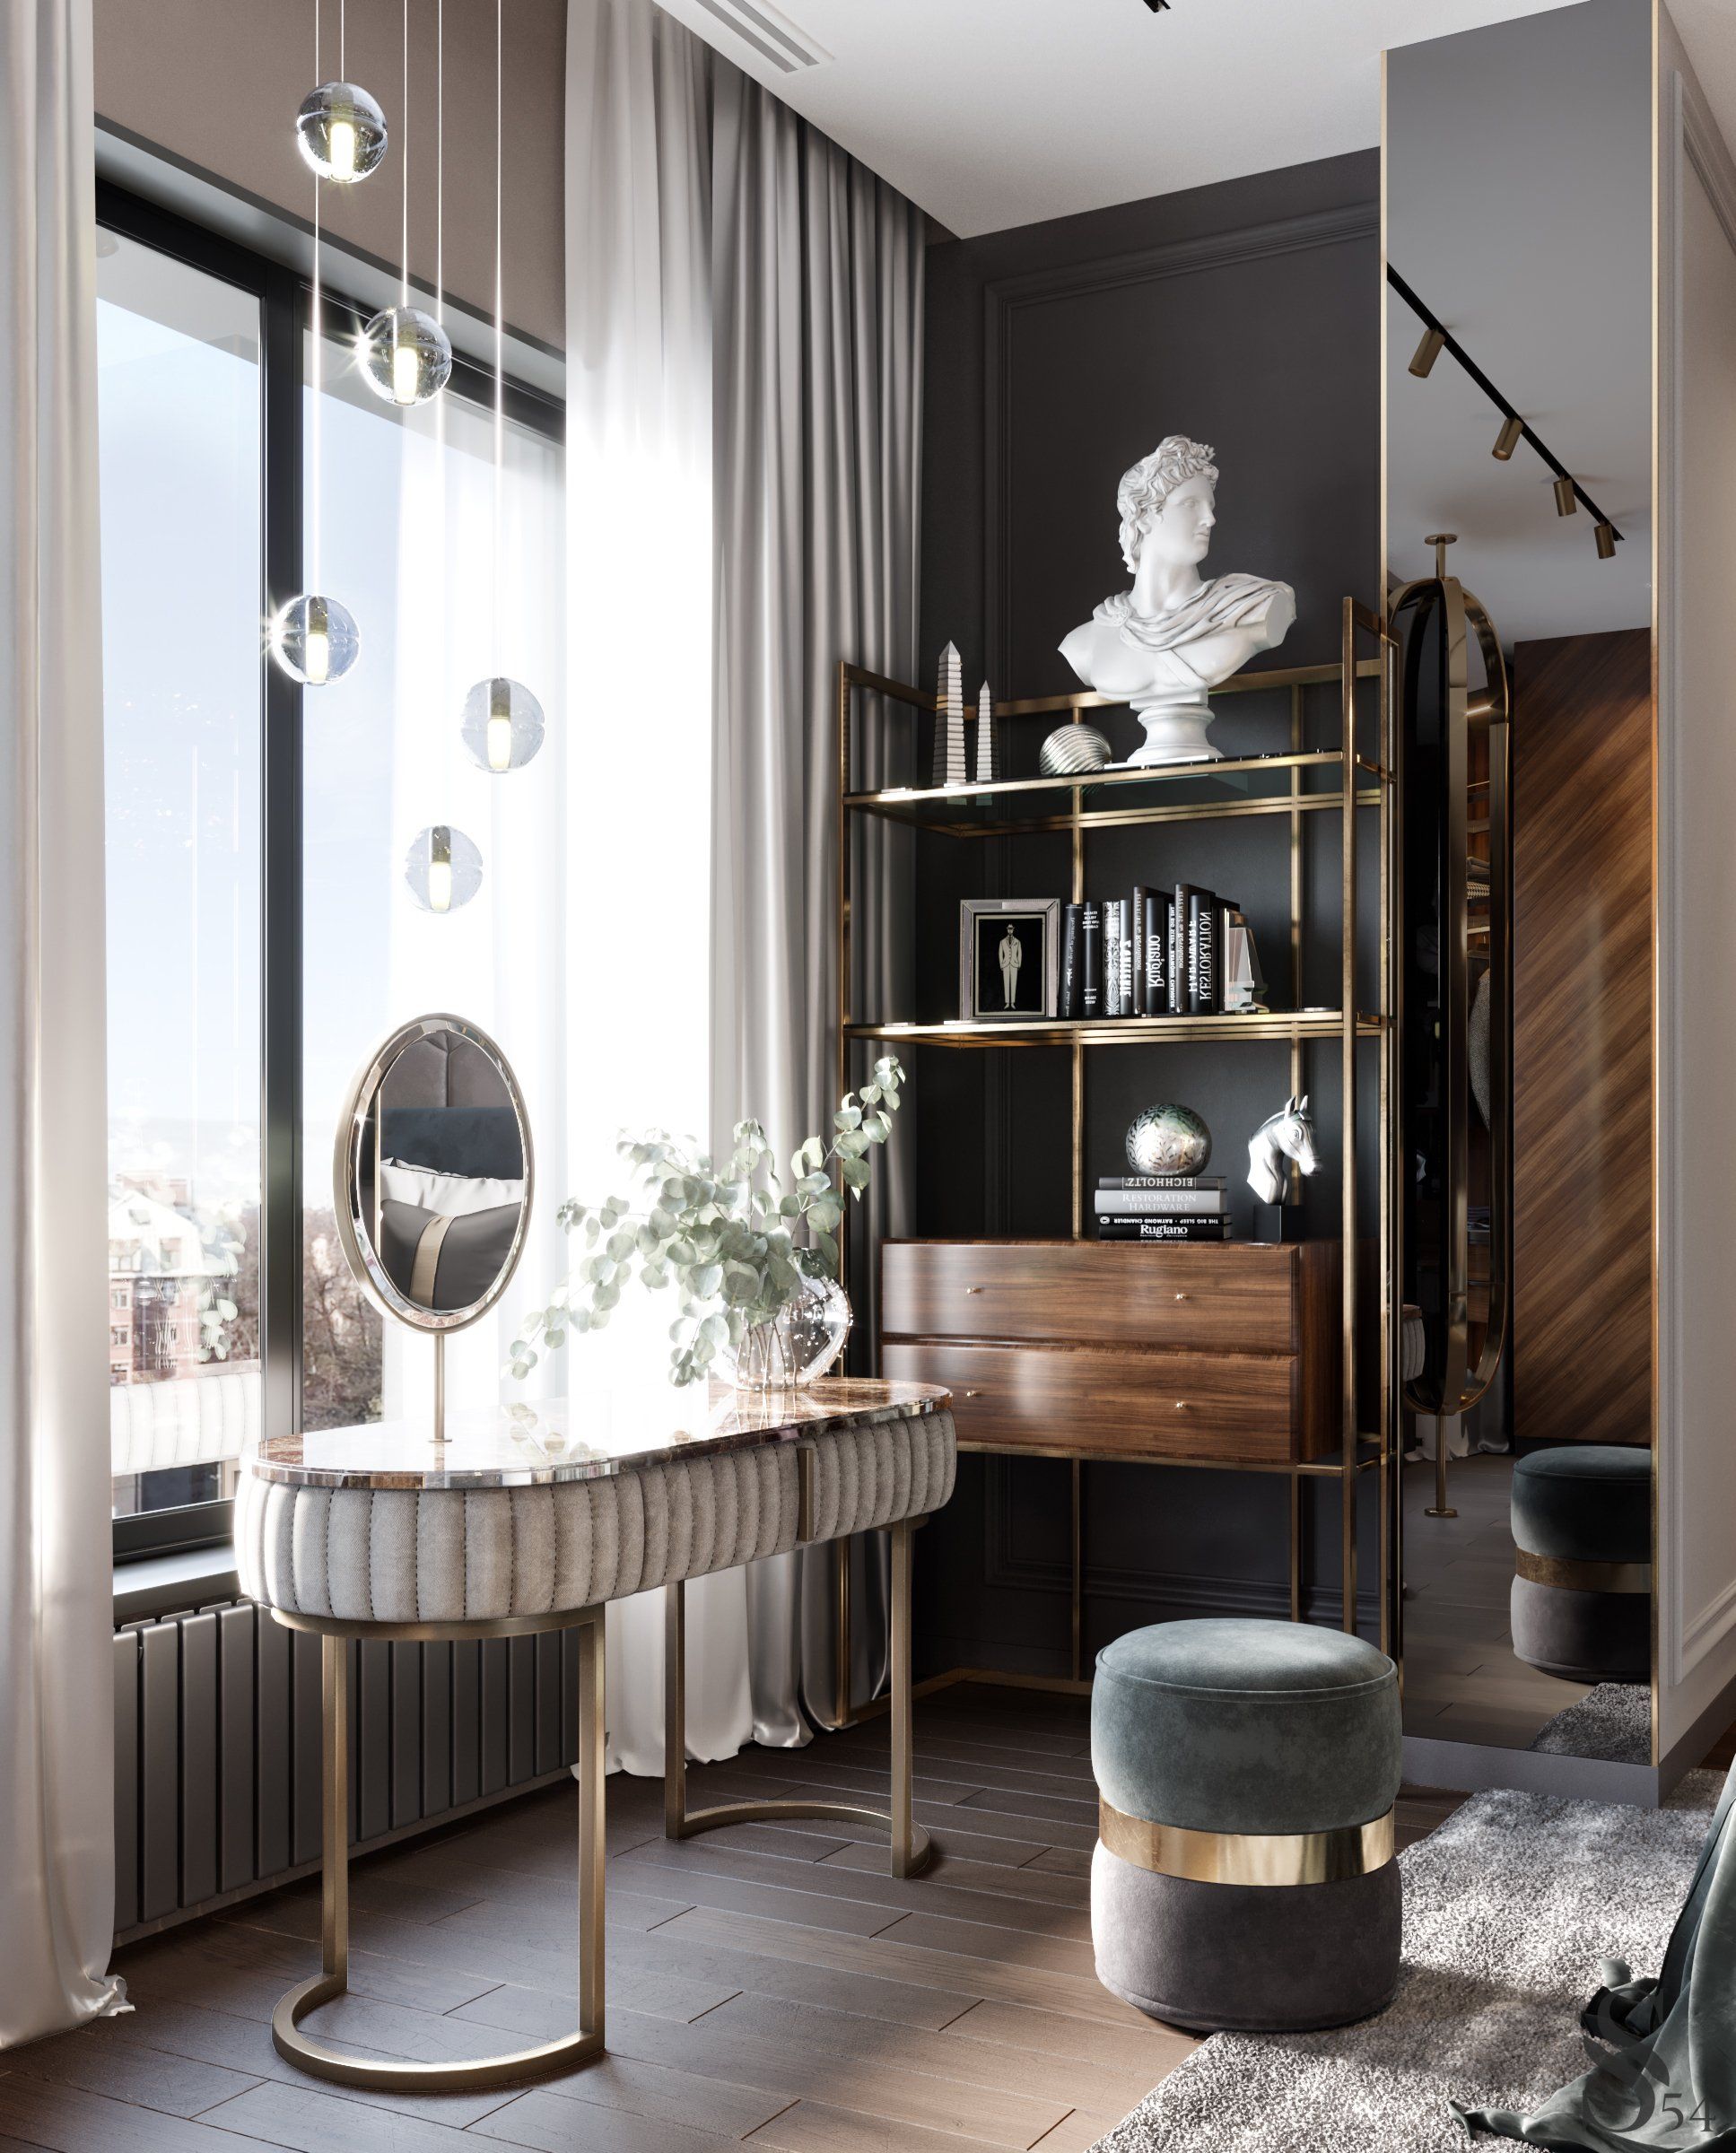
(217,1748)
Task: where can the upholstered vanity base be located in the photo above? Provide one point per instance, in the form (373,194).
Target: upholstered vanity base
(1245,1957)
(1582,1636)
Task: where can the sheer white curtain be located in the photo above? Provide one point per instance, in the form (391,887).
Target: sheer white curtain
(639,690)
(56,1823)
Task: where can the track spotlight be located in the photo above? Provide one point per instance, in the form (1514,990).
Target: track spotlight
(1428,352)
(1508,439)
(1566,501)
(1606,542)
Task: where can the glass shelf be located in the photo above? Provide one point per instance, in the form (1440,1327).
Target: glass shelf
(1128,1031)
(1097,799)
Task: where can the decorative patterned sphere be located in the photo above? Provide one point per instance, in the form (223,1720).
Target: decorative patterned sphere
(315,639)
(406,357)
(502,724)
(1168,1139)
(1072,748)
(340,132)
(443,867)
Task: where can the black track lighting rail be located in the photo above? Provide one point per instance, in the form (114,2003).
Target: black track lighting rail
(1450,342)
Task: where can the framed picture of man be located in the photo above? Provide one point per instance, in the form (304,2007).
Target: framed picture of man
(1008,959)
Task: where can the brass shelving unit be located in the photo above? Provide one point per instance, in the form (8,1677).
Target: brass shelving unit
(1284,788)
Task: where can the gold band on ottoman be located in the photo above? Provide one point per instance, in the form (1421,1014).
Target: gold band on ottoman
(1582,1577)
(1171,1849)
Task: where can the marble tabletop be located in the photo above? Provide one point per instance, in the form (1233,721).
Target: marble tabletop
(588,1437)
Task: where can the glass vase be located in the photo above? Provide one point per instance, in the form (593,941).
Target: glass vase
(801,1342)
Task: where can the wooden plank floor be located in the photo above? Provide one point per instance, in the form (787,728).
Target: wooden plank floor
(767,1984)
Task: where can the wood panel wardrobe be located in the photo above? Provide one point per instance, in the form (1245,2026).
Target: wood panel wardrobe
(1583,1011)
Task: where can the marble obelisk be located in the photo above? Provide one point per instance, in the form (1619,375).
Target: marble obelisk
(949,764)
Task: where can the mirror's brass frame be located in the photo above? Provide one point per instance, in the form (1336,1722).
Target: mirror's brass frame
(346,1160)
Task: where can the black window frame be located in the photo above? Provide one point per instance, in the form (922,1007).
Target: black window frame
(284,295)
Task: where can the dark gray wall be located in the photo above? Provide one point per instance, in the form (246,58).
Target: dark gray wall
(1246,315)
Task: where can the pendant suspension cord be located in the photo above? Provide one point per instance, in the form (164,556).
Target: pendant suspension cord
(312,582)
(403,170)
(343,41)
(500,318)
(440,402)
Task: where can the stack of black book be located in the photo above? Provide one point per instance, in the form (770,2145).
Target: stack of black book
(1155,953)
(1163,1207)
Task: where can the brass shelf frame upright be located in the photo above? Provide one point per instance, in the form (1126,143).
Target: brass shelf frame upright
(1059,805)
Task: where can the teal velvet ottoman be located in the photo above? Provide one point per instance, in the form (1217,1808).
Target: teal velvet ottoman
(1244,1875)
(1582,1591)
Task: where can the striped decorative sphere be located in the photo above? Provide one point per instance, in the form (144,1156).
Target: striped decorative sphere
(1070,749)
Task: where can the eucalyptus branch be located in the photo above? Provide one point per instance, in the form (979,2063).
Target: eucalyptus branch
(723,1237)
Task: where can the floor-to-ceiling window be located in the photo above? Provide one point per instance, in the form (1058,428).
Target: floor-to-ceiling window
(178,383)
(260,935)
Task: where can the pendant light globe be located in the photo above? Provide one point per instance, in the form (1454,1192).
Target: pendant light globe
(315,639)
(443,869)
(502,724)
(340,131)
(405,356)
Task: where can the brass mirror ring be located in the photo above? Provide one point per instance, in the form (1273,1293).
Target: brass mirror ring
(363,1259)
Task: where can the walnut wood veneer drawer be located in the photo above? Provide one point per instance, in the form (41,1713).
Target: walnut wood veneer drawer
(1078,1401)
(1219,1297)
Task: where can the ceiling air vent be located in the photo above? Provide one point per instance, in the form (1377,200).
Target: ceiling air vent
(772,36)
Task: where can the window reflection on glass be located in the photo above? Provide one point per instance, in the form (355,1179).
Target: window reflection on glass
(407,545)
(179,456)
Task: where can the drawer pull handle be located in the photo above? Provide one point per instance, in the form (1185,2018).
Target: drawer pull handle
(972,1289)
(1181,1404)
(1181,1296)
(973,1394)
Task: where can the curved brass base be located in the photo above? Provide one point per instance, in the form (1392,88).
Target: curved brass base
(841,1812)
(309,2053)
(911,1847)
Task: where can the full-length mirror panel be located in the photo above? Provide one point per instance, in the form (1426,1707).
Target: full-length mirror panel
(1518,475)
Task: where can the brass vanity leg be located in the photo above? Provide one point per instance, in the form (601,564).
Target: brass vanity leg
(910,1844)
(593,1736)
(903,1821)
(335,1815)
(342,2066)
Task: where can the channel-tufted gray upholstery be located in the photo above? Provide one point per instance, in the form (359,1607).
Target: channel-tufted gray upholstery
(363,1554)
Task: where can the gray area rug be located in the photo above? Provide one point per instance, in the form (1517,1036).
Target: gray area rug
(1612,1722)
(1509,1907)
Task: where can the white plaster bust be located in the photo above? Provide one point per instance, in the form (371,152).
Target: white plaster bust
(1163,644)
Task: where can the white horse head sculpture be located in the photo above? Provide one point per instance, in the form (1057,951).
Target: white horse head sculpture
(1289,1134)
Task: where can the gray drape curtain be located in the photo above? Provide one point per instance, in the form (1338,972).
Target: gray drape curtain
(817,294)
(57,1611)
(745,331)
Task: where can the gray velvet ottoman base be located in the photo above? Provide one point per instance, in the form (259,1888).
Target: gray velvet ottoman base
(1255,1957)
(1582,1636)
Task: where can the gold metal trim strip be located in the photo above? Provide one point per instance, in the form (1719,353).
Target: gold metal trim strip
(1170,1850)
(1581,1576)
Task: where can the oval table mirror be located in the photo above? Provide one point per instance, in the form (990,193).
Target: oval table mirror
(432,1177)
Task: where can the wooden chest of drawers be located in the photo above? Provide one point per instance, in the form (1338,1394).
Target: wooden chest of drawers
(1119,1350)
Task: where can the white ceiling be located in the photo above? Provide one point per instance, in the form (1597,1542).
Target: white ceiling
(992,113)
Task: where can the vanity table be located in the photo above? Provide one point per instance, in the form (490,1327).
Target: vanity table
(533,1520)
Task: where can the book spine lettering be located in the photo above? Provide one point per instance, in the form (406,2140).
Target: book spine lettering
(1136,997)
(1071,961)
(1163,1229)
(1126,912)
(1114,1005)
(1177,992)
(1160,1203)
(1156,990)
(1161,1181)
(1091,964)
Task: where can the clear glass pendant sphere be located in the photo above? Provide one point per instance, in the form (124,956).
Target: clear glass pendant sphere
(502,724)
(315,640)
(406,357)
(443,869)
(340,132)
